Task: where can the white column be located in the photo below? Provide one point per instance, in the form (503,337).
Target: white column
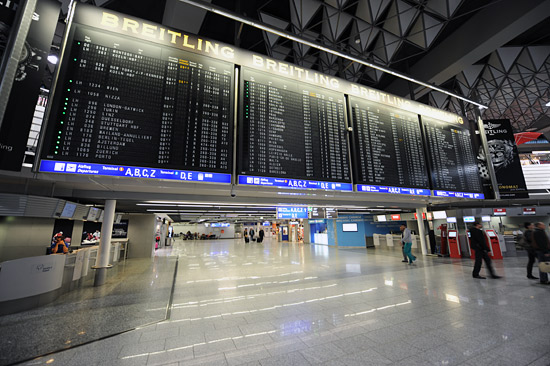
(104,250)
(421,231)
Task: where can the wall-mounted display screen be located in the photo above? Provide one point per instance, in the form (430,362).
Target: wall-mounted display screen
(129,102)
(485,218)
(451,219)
(68,210)
(452,234)
(452,159)
(387,146)
(439,215)
(349,227)
(293,130)
(469,219)
(93,214)
(491,233)
(381,218)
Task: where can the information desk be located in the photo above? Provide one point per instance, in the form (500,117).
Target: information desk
(29,282)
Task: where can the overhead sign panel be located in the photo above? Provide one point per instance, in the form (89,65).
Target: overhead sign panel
(292,130)
(123,100)
(292,212)
(387,149)
(453,165)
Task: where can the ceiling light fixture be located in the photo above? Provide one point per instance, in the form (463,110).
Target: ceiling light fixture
(295,38)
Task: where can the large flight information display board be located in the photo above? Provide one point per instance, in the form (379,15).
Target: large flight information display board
(452,160)
(387,149)
(125,107)
(292,134)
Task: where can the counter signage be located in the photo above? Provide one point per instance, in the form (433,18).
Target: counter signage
(530,211)
(292,212)
(220,224)
(393,190)
(499,212)
(54,166)
(396,217)
(477,196)
(293,183)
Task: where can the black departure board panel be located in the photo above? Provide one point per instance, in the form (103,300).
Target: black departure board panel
(124,101)
(388,148)
(451,154)
(290,129)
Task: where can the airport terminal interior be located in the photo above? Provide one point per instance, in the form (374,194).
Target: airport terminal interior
(290,182)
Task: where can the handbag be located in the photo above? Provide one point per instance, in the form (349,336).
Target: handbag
(544,266)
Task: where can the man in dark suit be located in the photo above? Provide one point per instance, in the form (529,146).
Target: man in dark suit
(542,246)
(477,241)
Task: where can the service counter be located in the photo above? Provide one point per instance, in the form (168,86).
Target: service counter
(392,242)
(30,282)
(320,238)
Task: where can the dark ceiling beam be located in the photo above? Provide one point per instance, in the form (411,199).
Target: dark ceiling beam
(183,16)
(489,29)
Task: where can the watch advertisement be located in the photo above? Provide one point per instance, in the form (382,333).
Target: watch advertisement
(28,79)
(505,158)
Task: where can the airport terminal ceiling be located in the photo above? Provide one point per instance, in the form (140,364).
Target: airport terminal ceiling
(504,64)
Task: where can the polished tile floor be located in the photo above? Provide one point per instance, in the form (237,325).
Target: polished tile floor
(293,304)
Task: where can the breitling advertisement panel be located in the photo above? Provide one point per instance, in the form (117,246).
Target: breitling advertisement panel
(124,24)
(504,154)
(28,78)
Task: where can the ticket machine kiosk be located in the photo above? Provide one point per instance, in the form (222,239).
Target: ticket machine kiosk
(454,246)
(491,239)
(470,250)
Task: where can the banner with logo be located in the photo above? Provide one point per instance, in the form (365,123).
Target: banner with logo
(28,79)
(504,154)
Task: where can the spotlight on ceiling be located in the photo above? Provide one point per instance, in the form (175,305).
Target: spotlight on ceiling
(52,59)
(548,104)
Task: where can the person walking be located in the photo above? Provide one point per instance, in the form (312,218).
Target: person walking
(527,243)
(245,235)
(540,241)
(261,235)
(477,241)
(251,232)
(406,241)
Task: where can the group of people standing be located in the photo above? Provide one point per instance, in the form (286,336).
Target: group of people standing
(249,234)
(535,241)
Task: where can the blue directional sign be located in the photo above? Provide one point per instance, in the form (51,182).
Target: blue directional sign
(292,212)
(293,183)
(393,190)
(51,166)
(476,196)
(220,224)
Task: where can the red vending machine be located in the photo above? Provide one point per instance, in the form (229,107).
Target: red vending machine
(491,239)
(454,246)
(472,253)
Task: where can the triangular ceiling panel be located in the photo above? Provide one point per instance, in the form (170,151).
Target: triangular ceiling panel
(525,60)
(416,35)
(439,6)
(495,62)
(276,22)
(539,54)
(392,43)
(377,8)
(432,28)
(303,11)
(471,73)
(439,99)
(363,11)
(406,15)
(391,24)
(380,48)
(338,21)
(453,6)
(508,55)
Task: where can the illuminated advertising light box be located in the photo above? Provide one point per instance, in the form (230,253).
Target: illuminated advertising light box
(499,212)
(469,219)
(530,211)
(439,215)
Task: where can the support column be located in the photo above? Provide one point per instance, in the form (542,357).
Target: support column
(102,260)
(421,231)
